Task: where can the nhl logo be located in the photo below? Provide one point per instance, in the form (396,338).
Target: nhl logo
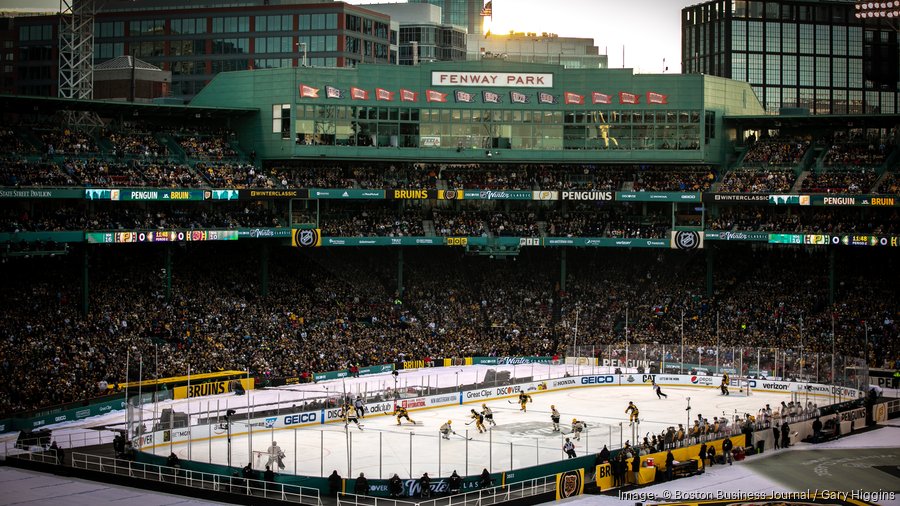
(687,240)
(307,238)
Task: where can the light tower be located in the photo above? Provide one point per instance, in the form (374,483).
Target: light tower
(76,49)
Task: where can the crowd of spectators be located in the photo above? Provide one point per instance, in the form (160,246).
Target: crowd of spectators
(115,217)
(236,175)
(210,146)
(373,222)
(856,154)
(890,185)
(840,181)
(143,145)
(11,143)
(459,223)
(674,179)
(743,180)
(513,224)
(819,221)
(21,173)
(327,309)
(777,152)
(67,142)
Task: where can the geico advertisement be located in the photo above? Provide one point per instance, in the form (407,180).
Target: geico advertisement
(213,388)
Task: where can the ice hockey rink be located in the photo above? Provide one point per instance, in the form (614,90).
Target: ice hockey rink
(380,448)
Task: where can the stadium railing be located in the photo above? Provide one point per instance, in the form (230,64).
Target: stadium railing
(196,479)
(480,497)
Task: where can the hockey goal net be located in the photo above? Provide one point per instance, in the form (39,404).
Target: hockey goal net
(260,459)
(740,385)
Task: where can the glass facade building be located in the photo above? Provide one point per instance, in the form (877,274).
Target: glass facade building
(813,55)
(465,13)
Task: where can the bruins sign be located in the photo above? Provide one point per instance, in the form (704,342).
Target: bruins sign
(569,483)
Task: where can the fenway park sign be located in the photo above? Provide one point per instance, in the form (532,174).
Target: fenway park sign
(493,79)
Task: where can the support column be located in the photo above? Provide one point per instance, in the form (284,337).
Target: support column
(168,273)
(264,269)
(400,272)
(562,269)
(831,275)
(85,292)
(710,268)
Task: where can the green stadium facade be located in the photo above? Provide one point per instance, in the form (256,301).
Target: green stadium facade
(482,112)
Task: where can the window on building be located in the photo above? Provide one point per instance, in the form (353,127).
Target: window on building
(789,38)
(807,39)
(773,69)
(755,36)
(773,37)
(739,66)
(839,40)
(789,70)
(839,72)
(281,120)
(353,23)
(234,24)
(807,65)
(275,23)
(823,39)
(738,35)
(755,68)
(823,71)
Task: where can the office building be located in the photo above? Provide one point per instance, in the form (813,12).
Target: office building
(197,40)
(423,31)
(570,52)
(808,54)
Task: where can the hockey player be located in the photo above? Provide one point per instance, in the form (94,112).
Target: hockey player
(360,407)
(577,428)
(488,414)
(659,392)
(523,400)
(275,456)
(724,385)
(402,413)
(446,430)
(479,421)
(634,412)
(352,417)
(554,415)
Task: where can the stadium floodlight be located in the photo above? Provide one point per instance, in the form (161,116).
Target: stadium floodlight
(868,10)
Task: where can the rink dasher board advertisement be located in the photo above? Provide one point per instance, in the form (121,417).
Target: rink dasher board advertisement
(324,416)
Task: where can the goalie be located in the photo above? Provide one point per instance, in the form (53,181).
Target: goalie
(275,456)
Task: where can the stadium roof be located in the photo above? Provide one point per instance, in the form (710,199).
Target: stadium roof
(45,105)
(125,63)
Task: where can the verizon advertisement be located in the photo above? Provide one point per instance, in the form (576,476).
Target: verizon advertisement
(493,79)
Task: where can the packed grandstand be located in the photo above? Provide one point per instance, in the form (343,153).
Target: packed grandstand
(329,308)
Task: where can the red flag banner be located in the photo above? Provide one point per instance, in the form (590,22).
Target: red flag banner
(358,94)
(600,98)
(435,96)
(657,98)
(573,98)
(308,91)
(629,98)
(383,94)
(408,96)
